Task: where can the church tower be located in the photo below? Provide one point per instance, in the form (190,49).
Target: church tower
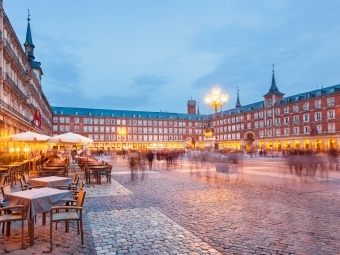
(273,94)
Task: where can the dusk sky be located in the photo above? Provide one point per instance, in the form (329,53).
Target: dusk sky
(156,55)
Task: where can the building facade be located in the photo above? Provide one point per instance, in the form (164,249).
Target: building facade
(305,121)
(23,105)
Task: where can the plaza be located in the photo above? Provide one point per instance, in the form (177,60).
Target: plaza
(189,208)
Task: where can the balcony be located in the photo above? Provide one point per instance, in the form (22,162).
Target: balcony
(330,104)
(15,87)
(317,106)
(16,60)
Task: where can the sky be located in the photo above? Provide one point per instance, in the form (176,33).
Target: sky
(156,55)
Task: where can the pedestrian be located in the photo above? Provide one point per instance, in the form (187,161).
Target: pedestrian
(150,157)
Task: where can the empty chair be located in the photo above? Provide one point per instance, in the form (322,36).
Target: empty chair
(73,185)
(25,186)
(71,213)
(10,216)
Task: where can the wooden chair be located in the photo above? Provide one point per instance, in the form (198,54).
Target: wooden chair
(25,186)
(13,213)
(3,179)
(71,213)
(73,185)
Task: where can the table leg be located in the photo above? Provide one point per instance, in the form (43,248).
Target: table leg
(44,218)
(31,229)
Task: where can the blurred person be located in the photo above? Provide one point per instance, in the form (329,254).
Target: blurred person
(333,159)
(150,157)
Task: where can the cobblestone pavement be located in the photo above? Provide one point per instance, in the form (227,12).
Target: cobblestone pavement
(192,209)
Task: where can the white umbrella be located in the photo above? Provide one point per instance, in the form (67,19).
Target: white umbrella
(26,137)
(70,138)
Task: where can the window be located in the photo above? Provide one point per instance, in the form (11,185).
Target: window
(62,120)
(76,120)
(286,120)
(269,123)
(269,102)
(330,101)
(330,115)
(101,121)
(296,119)
(296,130)
(306,106)
(295,108)
(249,125)
(277,111)
(278,132)
(261,124)
(286,131)
(256,115)
(76,128)
(95,121)
(317,104)
(61,128)
(269,113)
(248,116)
(260,114)
(112,121)
(55,128)
(306,118)
(277,122)
(318,116)
(286,109)
(331,127)
(55,119)
(67,128)
(67,119)
(269,133)
(256,124)
(306,130)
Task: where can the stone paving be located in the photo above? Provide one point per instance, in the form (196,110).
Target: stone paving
(191,209)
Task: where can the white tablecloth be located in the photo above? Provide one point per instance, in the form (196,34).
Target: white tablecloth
(50,181)
(38,200)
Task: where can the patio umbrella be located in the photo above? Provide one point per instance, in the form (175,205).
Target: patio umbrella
(70,139)
(26,137)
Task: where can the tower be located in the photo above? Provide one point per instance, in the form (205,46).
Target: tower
(29,51)
(238,99)
(191,106)
(273,94)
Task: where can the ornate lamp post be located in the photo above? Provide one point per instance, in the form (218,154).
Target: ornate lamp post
(215,100)
(122,132)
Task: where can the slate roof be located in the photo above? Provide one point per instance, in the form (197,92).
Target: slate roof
(125,113)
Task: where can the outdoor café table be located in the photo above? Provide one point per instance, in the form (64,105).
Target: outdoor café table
(97,169)
(37,201)
(53,169)
(50,181)
(3,170)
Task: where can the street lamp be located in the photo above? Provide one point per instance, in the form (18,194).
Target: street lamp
(215,100)
(122,132)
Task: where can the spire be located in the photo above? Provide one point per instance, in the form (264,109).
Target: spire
(273,88)
(238,99)
(198,108)
(29,46)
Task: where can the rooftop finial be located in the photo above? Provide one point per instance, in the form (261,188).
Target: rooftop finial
(273,67)
(28,14)
(238,104)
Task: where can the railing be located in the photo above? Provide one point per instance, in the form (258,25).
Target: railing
(11,109)
(15,87)
(9,48)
